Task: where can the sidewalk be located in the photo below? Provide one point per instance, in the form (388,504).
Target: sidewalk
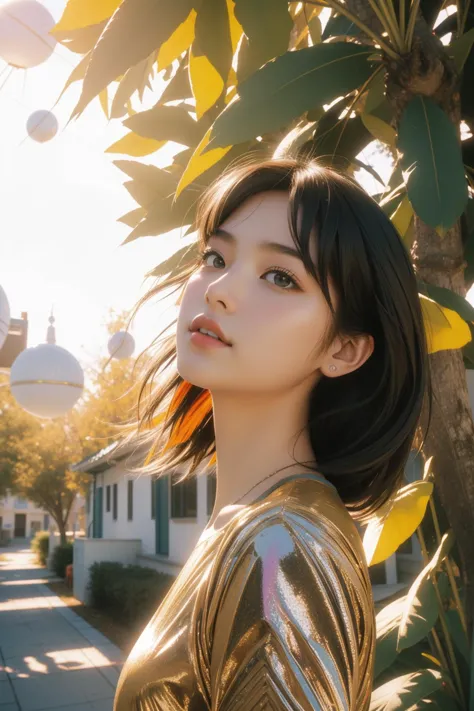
(50,658)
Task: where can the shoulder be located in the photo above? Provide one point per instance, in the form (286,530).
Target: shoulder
(289,582)
(301,513)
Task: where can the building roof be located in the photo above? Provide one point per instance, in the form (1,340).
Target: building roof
(101,460)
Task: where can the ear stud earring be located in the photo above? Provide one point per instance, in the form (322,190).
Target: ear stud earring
(332,367)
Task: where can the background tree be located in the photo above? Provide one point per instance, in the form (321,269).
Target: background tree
(36,455)
(270,76)
(111,397)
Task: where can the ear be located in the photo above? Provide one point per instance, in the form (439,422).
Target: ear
(348,355)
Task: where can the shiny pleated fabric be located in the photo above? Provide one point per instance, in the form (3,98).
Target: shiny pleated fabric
(273,612)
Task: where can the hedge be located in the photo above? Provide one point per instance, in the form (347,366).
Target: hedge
(40,546)
(62,557)
(130,593)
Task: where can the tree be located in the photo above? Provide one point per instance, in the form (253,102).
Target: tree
(264,76)
(36,455)
(111,397)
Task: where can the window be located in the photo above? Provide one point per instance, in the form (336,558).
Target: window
(153,498)
(211,491)
(114,502)
(20,503)
(107,498)
(130,499)
(183,498)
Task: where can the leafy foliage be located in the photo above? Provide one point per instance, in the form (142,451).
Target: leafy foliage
(40,546)
(36,456)
(128,592)
(62,557)
(243,75)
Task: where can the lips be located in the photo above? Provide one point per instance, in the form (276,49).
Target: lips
(210,325)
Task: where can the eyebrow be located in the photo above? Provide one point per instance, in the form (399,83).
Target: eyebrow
(265,245)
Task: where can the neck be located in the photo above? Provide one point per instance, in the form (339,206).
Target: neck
(255,436)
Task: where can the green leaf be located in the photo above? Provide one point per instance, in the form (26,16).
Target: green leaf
(421,611)
(433,163)
(448,298)
(287,87)
(166,123)
(404,692)
(339,137)
(177,260)
(387,622)
(439,701)
(457,633)
(459,49)
(256,18)
(136,29)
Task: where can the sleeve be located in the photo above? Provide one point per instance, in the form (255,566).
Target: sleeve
(290,621)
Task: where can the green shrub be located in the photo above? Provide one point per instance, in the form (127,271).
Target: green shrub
(62,557)
(40,546)
(128,592)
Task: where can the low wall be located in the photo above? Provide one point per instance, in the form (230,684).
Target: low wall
(98,550)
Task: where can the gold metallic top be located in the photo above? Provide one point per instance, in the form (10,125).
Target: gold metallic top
(272,612)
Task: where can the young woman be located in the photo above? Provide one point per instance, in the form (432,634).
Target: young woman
(299,359)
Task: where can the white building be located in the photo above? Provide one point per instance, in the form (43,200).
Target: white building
(20,518)
(157,523)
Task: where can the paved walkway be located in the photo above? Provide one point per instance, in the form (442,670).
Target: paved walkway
(50,658)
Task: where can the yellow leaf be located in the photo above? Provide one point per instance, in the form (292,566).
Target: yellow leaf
(104,102)
(235,28)
(134,145)
(179,42)
(402,216)
(445,329)
(206,83)
(396,521)
(82,13)
(199,163)
(379,129)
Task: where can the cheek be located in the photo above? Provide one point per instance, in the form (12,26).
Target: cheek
(285,337)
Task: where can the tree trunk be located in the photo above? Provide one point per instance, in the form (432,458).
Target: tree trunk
(439,260)
(61,524)
(427,70)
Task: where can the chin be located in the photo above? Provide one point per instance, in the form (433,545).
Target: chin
(199,374)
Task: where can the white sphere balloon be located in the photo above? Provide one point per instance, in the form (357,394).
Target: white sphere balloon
(121,345)
(24,33)
(42,125)
(4,316)
(46,380)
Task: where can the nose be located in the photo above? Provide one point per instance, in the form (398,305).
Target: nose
(225,290)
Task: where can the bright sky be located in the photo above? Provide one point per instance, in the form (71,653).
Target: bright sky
(59,235)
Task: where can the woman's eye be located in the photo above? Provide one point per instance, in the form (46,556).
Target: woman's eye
(286,277)
(204,256)
(289,281)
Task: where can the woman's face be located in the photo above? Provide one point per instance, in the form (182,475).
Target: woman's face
(273,320)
